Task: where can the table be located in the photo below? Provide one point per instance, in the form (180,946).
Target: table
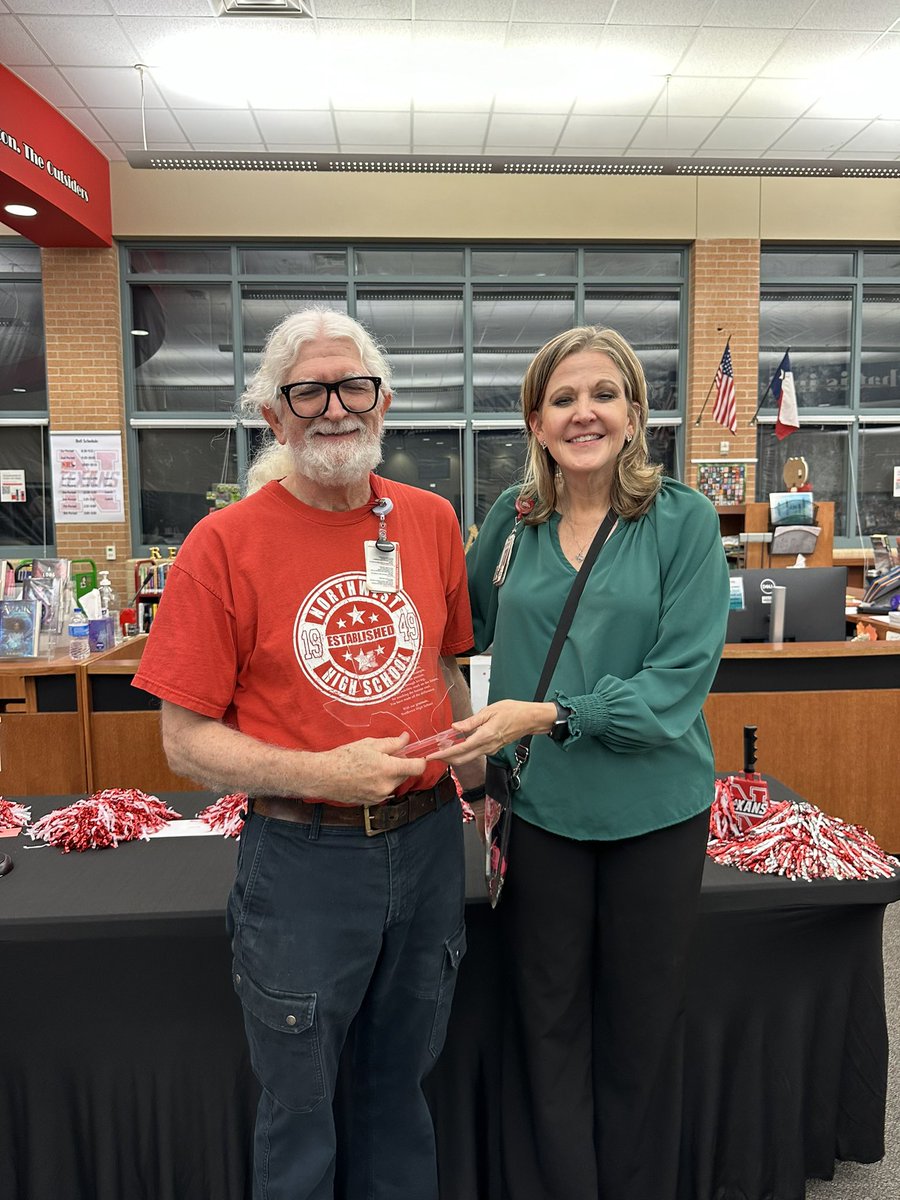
(124,1074)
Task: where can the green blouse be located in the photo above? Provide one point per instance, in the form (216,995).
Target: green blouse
(636,666)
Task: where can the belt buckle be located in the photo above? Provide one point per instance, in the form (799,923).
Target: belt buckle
(367,820)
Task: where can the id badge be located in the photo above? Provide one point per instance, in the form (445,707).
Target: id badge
(383,568)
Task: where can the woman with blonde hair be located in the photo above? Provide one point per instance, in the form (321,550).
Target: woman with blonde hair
(611,816)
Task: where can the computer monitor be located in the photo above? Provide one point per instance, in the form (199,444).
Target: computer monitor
(815,604)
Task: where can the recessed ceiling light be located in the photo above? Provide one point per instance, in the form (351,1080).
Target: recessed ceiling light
(18,389)
(20,210)
(140,333)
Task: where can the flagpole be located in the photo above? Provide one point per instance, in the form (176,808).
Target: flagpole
(712,385)
(762,398)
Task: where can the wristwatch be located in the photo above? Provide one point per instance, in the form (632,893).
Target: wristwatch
(559,730)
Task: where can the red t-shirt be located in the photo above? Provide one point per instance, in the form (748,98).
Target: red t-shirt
(266,624)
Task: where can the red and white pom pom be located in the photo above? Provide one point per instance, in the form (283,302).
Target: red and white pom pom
(227,815)
(468,813)
(13,816)
(800,841)
(103,819)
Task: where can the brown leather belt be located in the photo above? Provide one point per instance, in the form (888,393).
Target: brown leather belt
(373,818)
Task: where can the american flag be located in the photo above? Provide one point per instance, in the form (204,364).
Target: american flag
(725,409)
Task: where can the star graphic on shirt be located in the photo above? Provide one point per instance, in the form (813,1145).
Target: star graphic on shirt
(355,615)
(365,660)
(373,618)
(342,624)
(378,650)
(348,657)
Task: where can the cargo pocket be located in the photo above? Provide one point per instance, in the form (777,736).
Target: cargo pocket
(454,950)
(284,1042)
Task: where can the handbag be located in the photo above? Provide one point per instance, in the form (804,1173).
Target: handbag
(501,781)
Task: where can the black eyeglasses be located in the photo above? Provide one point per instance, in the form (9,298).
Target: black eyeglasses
(310,398)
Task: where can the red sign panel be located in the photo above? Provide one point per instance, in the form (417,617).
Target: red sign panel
(48,164)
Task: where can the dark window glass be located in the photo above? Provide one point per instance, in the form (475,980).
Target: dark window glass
(184,357)
(262,308)
(800,264)
(877,263)
(409,262)
(425,458)
(499,463)
(649,322)
(501,263)
(26,448)
(509,328)
(20,258)
(879,456)
(292,260)
(423,335)
(879,385)
(825,448)
(816,326)
(202,260)
(177,468)
(662,446)
(633,264)
(23,382)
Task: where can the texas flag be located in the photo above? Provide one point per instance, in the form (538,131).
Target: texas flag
(787,421)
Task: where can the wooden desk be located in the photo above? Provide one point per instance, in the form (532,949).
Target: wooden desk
(828,715)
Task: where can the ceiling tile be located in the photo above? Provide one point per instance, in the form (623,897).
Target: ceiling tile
(687,97)
(219,125)
(19,48)
(646,12)
(466,32)
(875,155)
(523,130)
(520,151)
(631,49)
(113,87)
(880,135)
(749,155)
(826,137)
(451,151)
(731,52)
(399,32)
(756,14)
(849,99)
(112,151)
(82,41)
(450,129)
(363,148)
(87,122)
(59,8)
(174,97)
(378,10)
(50,84)
(386,128)
(776,98)
(305,126)
(223,147)
(634,98)
(788,156)
(599,131)
(161,8)
(746,133)
(124,124)
(591,12)
(813,53)
(678,133)
(579,38)
(463,10)
(302,147)
(876,15)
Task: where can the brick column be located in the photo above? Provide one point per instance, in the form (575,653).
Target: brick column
(724,299)
(85,384)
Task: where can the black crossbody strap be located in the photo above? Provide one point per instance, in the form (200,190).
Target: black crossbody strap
(562,629)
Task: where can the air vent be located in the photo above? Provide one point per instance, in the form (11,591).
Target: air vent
(259,8)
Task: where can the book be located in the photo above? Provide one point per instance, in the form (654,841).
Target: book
(20,628)
(47,589)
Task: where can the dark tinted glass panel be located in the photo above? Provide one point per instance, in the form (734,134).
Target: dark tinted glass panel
(423,335)
(879,385)
(206,260)
(500,263)
(662,446)
(262,308)
(20,258)
(509,328)
(878,263)
(633,264)
(787,264)
(23,384)
(184,360)
(30,522)
(499,463)
(816,326)
(879,457)
(177,468)
(649,322)
(410,262)
(425,458)
(825,448)
(291,260)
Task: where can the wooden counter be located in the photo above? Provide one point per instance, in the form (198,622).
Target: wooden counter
(828,715)
(42,746)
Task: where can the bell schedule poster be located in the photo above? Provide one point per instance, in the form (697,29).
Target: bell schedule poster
(87,477)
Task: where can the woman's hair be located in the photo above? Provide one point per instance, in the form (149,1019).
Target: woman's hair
(635,481)
(272,460)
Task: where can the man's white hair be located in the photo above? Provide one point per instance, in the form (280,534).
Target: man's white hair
(272,460)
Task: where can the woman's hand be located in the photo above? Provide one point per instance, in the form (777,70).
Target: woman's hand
(496,726)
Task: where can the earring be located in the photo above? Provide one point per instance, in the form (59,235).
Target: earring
(543,445)
(628,437)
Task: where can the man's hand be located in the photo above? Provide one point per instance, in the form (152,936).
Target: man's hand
(364,772)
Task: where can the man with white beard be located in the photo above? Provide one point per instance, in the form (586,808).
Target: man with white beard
(306,635)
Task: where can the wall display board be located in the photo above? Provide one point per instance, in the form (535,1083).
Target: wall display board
(87,477)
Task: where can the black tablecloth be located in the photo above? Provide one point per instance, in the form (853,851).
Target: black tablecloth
(124,1075)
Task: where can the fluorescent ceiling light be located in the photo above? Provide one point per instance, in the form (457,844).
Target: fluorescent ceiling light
(20,210)
(140,333)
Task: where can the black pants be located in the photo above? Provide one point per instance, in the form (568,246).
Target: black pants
(597,936)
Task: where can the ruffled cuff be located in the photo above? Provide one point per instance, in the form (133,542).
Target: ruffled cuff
(590,715)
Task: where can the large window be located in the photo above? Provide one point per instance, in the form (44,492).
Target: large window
(460,325)
(26,525)
(838,311)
